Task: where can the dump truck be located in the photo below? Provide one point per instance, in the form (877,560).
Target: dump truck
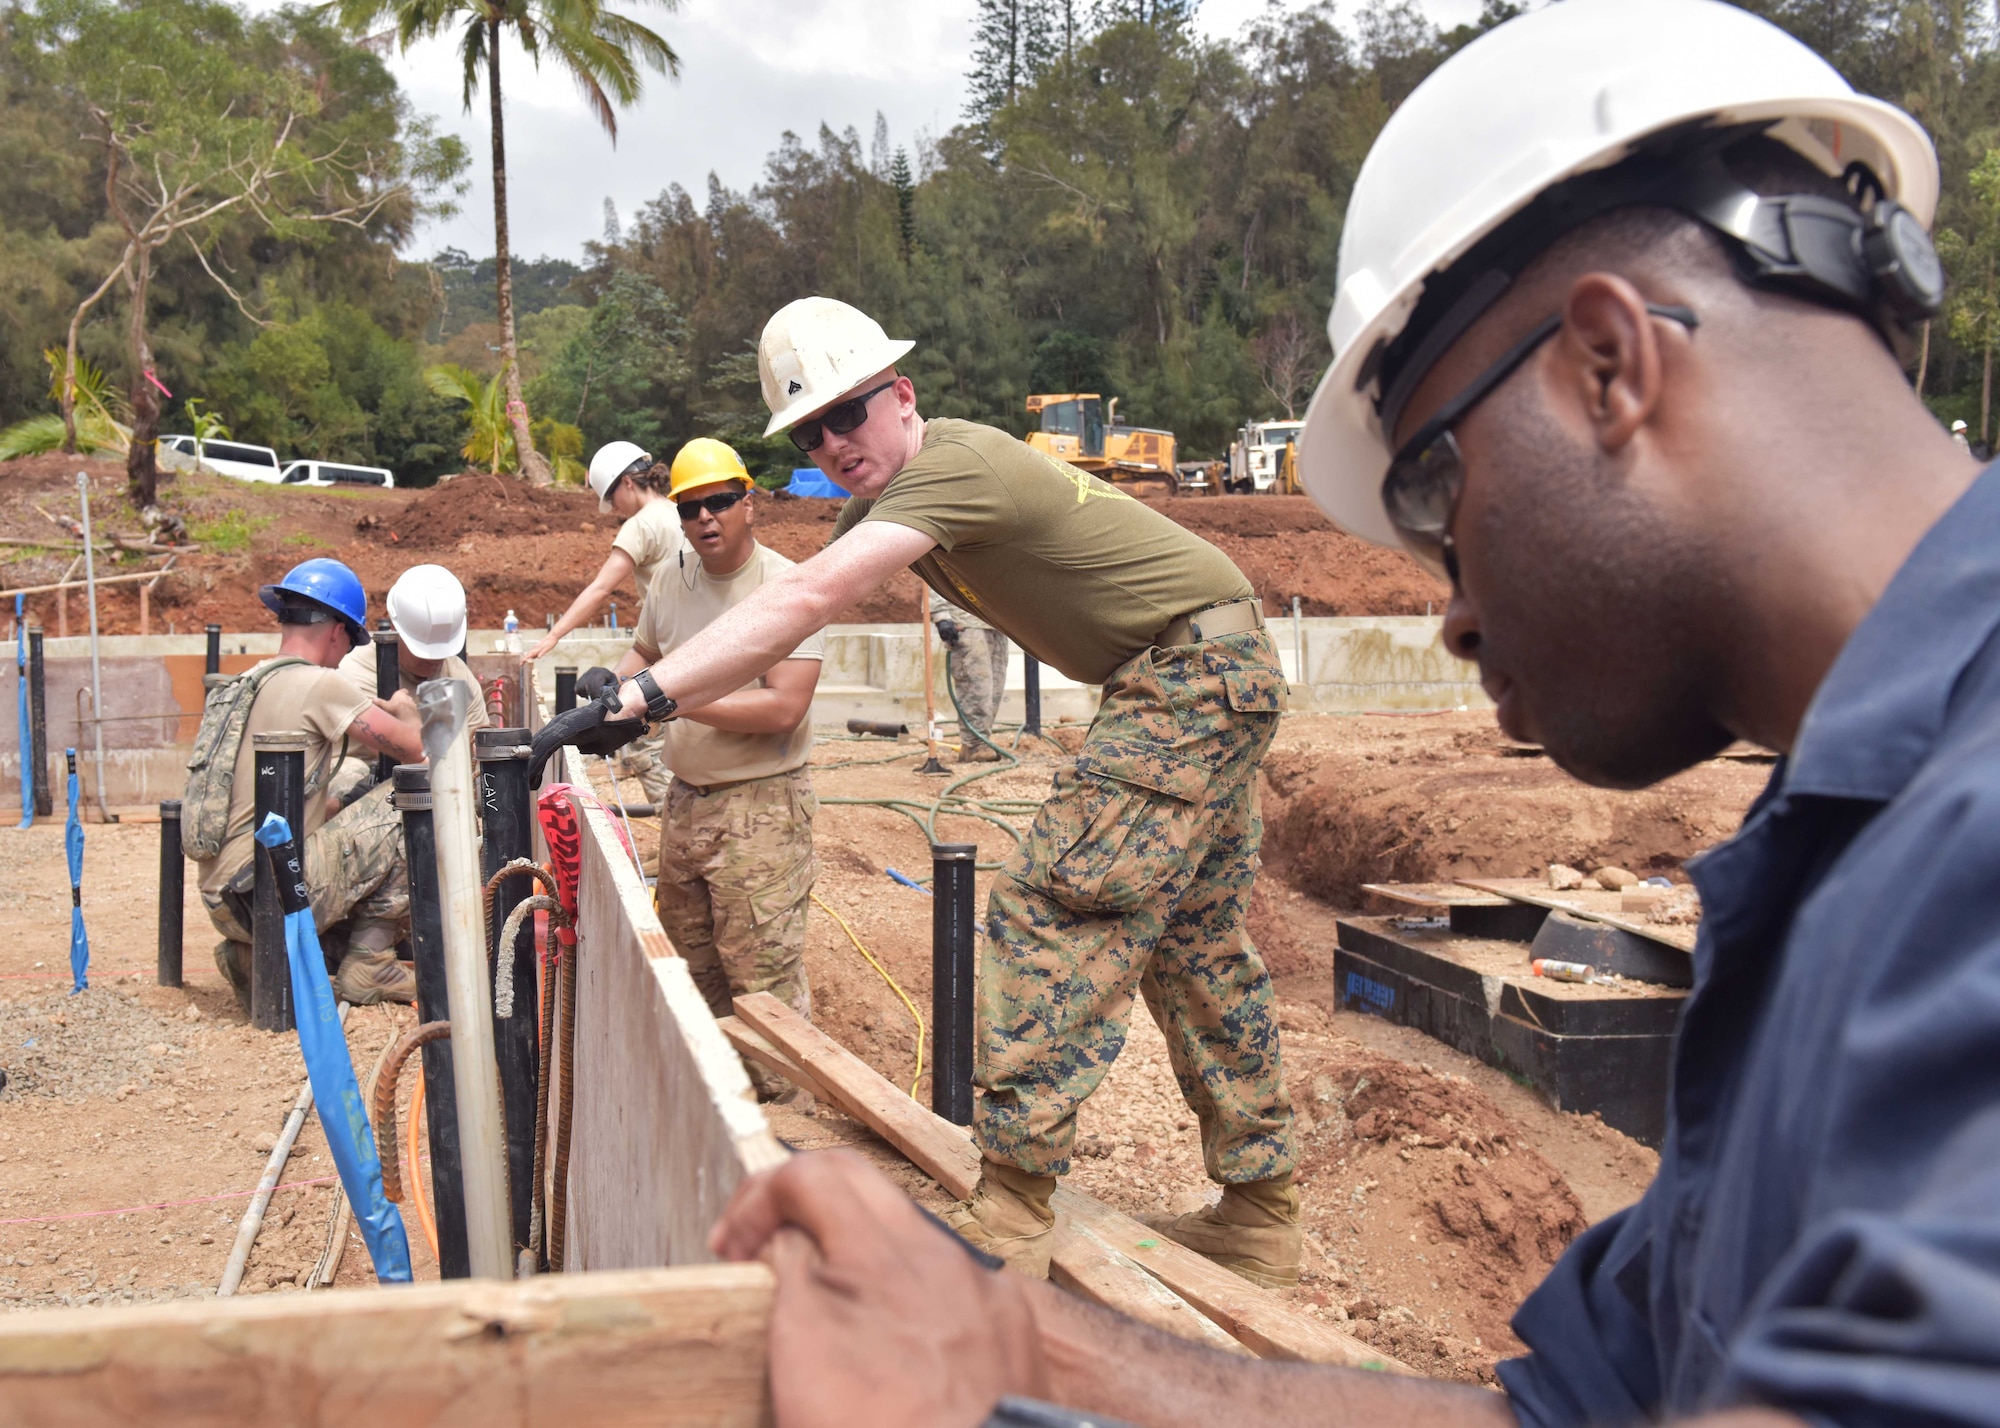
(1263,460)
(1083,429)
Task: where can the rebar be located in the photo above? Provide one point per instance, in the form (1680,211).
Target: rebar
(384,1101)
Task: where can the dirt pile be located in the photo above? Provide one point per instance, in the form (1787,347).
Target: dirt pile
(1413,800)
(531,550)
(1434,1219)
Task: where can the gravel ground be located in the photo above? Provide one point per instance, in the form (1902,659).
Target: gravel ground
(101,1042)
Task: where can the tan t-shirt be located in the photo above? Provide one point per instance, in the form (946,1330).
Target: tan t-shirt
(321,703)
(680,604)
(359,667)
(654,540)
(1065,564)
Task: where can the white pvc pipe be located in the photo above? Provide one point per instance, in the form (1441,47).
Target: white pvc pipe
(475,1070)
(96,684)
(253,1218)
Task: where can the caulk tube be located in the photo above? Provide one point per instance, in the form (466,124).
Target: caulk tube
(323,1043)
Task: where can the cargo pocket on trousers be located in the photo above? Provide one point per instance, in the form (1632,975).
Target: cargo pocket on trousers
(781,894)
(1115,829)
(1257,691)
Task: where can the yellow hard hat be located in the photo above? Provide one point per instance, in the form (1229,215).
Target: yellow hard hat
(703,462)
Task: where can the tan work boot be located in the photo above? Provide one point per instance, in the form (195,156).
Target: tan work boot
(1009,1216)
(367,976)
(232,959)
(1253,1229)
(974,752)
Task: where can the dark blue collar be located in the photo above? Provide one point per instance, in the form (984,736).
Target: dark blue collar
(1883,705)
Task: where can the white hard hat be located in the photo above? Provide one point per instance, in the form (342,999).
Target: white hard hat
(1568,89)
(613,460)
(816,350)
(427,607)
(1958,426)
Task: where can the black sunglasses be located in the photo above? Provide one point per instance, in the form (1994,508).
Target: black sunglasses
(840,419)
(715,505)
(1426,474)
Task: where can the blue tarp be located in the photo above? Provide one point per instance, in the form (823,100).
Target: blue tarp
(811,481)
(323,1043)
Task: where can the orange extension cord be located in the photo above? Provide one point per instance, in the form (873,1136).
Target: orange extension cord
(417,1191)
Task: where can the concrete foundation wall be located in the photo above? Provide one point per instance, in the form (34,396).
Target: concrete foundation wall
(152,688)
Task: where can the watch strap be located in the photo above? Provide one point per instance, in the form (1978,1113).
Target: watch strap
(658,706)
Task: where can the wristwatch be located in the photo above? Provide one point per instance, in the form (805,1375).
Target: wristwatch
(659,708)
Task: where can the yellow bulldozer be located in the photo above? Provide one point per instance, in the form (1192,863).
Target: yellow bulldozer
(1083,429)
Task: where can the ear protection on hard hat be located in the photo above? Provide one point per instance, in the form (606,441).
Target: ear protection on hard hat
(1871,257)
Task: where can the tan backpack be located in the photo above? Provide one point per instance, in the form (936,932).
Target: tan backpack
(225,714)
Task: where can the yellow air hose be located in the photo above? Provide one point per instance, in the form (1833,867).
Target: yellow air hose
(909,1005)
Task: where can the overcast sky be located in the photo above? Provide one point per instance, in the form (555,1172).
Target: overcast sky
(750,69)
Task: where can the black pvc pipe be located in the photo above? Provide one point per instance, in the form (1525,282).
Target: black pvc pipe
(1031,694)
(413,800)
(214,633)
(281,788)
(953,930)
(173,892)
(565,688)
(38,722)
(388,679)
(506,811)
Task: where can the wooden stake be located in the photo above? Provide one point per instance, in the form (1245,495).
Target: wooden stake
(930,765)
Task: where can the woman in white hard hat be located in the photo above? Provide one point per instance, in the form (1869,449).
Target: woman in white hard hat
(630,485)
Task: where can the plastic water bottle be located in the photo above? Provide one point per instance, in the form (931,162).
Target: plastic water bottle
(512,625)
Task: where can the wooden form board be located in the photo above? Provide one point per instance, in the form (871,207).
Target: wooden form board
(665,1122)
(679,1346)
(1095,1244)
(1584,905)
(1432,897)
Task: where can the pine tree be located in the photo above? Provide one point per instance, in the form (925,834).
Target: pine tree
(906,203)
(1011,46)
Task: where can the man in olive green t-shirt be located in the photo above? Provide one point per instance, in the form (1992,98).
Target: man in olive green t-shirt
(1136,874)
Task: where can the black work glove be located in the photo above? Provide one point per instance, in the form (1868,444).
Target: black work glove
(593,728)
(948,632)
(592,683)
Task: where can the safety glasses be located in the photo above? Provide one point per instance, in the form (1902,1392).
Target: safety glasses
(840,419)
(1426,475)
(715,505)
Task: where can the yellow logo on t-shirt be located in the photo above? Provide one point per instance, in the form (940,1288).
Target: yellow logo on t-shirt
(1086,484)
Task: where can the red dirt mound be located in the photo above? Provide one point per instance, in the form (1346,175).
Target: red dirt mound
(1380,800)
(1416,1186)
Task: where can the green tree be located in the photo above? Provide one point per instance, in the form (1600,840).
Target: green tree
(490,436)
(1972,256)
(196,134)
(614,377)
(601,49)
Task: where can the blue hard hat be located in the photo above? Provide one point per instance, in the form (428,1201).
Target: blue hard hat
(327,584)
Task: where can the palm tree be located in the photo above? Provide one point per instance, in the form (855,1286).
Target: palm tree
(601,49)
(488,441)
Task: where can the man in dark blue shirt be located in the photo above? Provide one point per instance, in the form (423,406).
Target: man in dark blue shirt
(1623,291)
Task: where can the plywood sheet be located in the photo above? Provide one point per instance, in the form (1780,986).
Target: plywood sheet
(666,1123)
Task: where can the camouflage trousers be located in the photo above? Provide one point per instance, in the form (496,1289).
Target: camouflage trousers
(736,874)
(979,676)
(642,759)
(1136,876)
(357,874)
